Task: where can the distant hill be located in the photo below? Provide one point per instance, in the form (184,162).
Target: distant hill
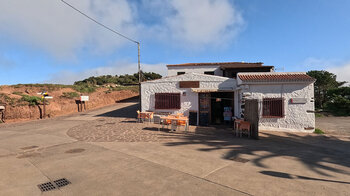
(119,80)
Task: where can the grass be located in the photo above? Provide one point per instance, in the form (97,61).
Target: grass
(121,88)
(84,88)
(70,95)
(318,131)
(17,93)
(32,100)
(319,115)
(131,88)
(7,99)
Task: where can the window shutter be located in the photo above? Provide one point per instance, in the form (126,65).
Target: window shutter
(167,101)
(273,107)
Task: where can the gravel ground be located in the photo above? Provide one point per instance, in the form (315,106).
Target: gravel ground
(122,130)
(334,125)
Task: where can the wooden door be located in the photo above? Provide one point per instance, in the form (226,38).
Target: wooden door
(251,114)
(204,108)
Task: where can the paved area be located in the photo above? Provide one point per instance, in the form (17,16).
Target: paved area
(105,152)
(334,125)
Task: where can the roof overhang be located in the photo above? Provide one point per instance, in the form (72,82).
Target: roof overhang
(210,90)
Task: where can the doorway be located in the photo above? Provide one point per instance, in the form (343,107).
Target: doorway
(220,102)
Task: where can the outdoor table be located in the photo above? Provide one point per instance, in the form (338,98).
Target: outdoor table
(172,118)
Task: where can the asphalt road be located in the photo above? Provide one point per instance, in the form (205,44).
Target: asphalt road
(104,152)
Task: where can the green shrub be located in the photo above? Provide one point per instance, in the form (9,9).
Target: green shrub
(131,88)
(84,88)
(70,95)
(318,131)
(17,93)
(32,100)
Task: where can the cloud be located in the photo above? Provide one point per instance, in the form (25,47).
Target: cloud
(340,68)
(202,22)
(117,68)
(55,28)
(342,72)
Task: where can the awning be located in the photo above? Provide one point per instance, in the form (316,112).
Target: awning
(209,90)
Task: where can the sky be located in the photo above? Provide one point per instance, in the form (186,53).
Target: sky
(45,41)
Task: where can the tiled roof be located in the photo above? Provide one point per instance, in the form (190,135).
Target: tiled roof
(235,64)
(275,77)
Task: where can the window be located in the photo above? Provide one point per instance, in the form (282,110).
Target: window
(167,101)
(209,72)
(180,72)
(273,107)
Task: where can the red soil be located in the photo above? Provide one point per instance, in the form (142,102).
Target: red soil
(21,111)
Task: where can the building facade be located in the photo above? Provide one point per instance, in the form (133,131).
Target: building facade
(205,91)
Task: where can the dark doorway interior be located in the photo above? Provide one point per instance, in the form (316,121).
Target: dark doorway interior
(219,101)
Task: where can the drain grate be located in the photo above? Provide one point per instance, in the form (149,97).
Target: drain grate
(61,182)
(238,159)
(48,186)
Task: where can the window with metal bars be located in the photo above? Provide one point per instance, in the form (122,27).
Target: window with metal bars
(167,101)
(273,108)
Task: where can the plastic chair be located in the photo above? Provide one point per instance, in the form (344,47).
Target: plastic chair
(138,116)
(158,120)
(244,126)
(236,125)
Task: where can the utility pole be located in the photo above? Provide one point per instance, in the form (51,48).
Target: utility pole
(117,33)
(139,69)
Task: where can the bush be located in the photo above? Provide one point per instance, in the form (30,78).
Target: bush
(17,93)
(70,95)
(318,131)
(32,100)
(339,101)
(84,88)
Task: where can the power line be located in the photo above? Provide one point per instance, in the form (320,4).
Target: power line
(116,32)
(92,19)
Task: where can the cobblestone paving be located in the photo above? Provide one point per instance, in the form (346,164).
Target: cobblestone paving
(122,130)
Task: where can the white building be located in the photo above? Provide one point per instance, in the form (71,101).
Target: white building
(285,100)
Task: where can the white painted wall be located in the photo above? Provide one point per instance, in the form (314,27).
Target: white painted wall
(171,85)
(172,70)
(296,115)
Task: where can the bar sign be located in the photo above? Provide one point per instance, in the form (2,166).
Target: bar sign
(298,100)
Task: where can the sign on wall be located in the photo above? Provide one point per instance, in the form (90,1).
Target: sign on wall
(189,84)
(84,98)
(298,100)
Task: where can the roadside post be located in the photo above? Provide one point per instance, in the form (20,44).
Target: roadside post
(2,113)
(44,96)
(81,102)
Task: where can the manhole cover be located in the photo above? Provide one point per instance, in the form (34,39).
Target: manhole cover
(48,186)
(75,150)
(238,159)
(61,182)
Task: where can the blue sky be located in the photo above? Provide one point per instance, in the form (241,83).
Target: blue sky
(46,41)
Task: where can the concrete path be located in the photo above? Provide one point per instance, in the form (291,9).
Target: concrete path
(104,152)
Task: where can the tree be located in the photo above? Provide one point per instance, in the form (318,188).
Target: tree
(324,82)
(339,101)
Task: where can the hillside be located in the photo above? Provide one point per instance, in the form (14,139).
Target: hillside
(23,102)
